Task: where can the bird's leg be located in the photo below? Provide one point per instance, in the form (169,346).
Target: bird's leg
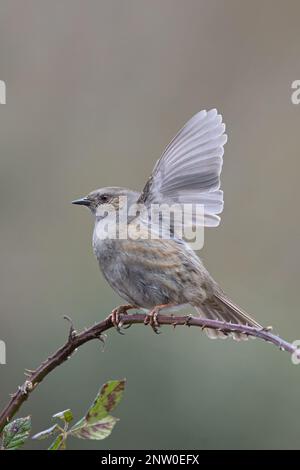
(151,317)
(115,316)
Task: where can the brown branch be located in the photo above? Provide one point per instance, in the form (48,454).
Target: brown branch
(96,332)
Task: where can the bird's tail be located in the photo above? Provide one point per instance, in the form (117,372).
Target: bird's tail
(221,308)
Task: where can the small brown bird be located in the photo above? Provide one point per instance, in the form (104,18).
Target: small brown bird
(159,273)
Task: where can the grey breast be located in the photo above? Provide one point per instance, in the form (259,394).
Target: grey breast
(127,276)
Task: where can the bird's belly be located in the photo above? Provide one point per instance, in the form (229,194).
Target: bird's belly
(141,272)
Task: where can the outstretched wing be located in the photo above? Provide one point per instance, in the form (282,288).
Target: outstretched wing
(190,167)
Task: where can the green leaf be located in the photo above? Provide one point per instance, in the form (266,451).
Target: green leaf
(107,399)
(16,433)
(96,430)
(47,433)
(97,423)
(65,415)
(58,444)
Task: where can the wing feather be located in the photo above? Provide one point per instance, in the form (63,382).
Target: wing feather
(190,167)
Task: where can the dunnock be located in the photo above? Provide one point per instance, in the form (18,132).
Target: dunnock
(162,272)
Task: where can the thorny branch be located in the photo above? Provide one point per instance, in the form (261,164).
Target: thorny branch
(97,332)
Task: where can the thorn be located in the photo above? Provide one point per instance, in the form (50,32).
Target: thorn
(102,337)
(28,372)
(26,387)
(72,331)
(266,328)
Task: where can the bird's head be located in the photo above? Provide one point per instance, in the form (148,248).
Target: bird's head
(105,200)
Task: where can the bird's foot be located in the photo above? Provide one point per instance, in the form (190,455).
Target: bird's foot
(152,320)
(115,317)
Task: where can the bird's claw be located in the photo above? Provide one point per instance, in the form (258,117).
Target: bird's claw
(151,319)
(116,320)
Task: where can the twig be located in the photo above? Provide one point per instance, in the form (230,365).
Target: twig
(33,378)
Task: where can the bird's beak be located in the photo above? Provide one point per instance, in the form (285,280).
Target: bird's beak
(84,201)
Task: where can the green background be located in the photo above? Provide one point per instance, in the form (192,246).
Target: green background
(95,90)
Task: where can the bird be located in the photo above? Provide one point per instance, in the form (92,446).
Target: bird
(162,273)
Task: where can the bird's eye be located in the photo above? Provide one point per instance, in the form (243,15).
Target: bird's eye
(104,198)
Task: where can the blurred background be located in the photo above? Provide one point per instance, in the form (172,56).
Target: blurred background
(95,91)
